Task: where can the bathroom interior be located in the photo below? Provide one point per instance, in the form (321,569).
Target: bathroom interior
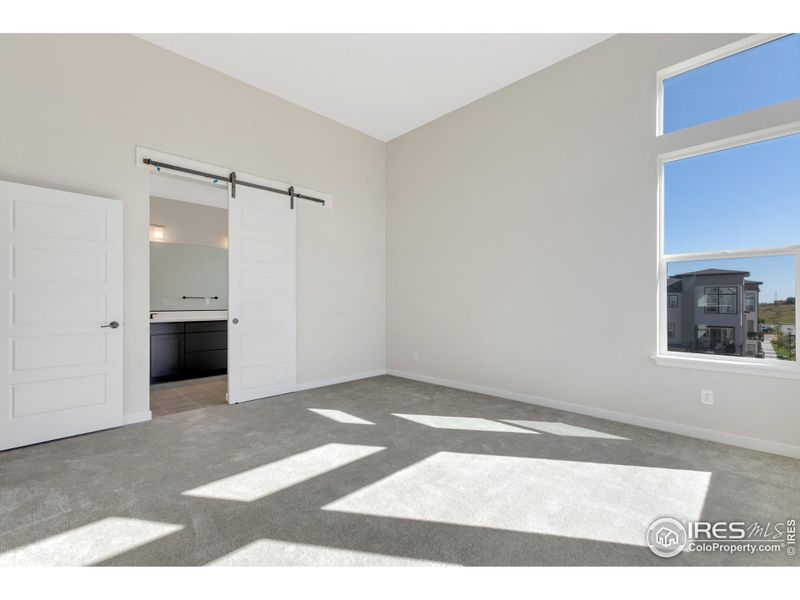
(188,295)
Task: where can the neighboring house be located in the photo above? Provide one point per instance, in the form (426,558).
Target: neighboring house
(713,311)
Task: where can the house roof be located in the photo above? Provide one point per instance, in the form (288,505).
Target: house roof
(706,272)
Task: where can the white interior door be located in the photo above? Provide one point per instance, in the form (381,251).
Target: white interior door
(60,362)
(261,302)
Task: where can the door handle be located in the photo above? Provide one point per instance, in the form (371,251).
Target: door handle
(235,321)
(112,325)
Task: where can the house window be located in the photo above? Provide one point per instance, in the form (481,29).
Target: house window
(721,300)
(732,80)
(750,302)
(720,340)
(728,209)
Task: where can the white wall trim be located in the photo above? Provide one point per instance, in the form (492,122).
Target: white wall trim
(138,417)
(309,385)
(705,362)
(629,419)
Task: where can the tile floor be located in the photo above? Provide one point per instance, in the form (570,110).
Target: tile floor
(179,396)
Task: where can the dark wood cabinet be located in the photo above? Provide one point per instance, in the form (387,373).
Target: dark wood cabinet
(188,349)
(166,355)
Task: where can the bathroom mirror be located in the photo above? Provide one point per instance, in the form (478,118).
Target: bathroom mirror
(188,277)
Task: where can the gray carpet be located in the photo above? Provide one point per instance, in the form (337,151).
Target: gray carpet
(386,472)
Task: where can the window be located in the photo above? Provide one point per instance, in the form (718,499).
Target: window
(713,286)
(720,300)
(734,198)
(729,212)
(750,302)
(720,340)
(722,84)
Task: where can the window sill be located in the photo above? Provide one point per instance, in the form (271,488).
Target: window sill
(728,366)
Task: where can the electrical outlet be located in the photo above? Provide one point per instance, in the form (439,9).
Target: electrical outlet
(415,355)
(707,397)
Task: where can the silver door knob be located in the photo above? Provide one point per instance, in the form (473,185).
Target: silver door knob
(235,321)
(112,325)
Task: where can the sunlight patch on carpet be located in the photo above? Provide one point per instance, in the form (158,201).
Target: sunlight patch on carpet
(463,423)
(276,553)
(340,416)
(595,501)
(89,544)
(257,483)
(564,429)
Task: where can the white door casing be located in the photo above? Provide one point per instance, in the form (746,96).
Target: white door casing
(261,300)
(61,371)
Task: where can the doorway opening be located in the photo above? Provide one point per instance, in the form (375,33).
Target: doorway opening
(188,294)
(256,318)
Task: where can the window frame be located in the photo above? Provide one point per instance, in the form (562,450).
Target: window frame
(701,60)
(747,296)
(669,301)
(709,328)
(715,309)
(728,363)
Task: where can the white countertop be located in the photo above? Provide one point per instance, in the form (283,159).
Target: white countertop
(171,316)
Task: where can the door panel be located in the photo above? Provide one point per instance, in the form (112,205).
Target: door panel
(30,308)
(39,397)
(261,346)
(46,220)
(40,352)
(60,370)
(58,264)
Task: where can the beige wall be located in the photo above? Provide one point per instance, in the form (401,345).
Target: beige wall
(74,108)
(522,248)
(521,228)
(188,223)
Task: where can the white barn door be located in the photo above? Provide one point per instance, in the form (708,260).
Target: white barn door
(61,346)
(261,301)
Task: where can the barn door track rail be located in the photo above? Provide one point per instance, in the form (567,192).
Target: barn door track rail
(235,181)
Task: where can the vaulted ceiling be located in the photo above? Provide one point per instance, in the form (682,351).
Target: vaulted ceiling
(382,85)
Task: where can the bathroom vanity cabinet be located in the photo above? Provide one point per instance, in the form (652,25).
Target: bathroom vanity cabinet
(185,350)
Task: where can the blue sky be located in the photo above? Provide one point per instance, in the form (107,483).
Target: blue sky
(764,75)
(746,197)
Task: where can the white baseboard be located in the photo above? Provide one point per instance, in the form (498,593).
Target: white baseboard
(668,426)
(309,385)
(138,417)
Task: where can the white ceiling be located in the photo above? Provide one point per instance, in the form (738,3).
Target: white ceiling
(381,84)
